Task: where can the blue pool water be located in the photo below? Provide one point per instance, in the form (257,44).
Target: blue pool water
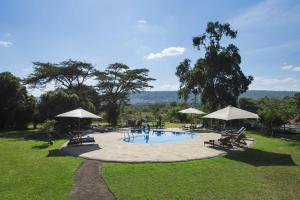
(157,136)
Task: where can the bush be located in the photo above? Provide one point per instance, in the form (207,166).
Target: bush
(48,126)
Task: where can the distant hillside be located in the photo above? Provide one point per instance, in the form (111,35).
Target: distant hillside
(170,96)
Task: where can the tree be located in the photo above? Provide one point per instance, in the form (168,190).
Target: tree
(16,106)
(248,104)
(59,101)
(275,112)
(217,76)
(116,83)
(297,102)
(68,74)
(56,102)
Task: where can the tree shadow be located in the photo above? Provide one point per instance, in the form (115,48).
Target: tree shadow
(75,150)
(30,134)
(56,153)
(42,146)
(259,158)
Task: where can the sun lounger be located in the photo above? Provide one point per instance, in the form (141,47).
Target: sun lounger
(224,142)
(186,126)
(240,140)
(77,139)
(229,132)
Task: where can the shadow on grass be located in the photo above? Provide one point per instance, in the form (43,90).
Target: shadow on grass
(56,153)
(30,134)
(42,146)
(75,150)
(259,158)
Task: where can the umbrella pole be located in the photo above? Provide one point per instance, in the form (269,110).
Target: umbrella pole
(79,126)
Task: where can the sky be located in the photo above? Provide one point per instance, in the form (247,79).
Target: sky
(155,34)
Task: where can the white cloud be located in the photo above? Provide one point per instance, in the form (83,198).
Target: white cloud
(263,83)
(296,69)
(267,13)
(142,21)
(290,67)
(285,66)
(5,44)
(167,52)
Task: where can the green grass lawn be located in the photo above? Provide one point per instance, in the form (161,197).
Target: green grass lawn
(269,170)
(173,125)
(29,169)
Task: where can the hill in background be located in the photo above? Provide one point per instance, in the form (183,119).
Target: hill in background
(171,96)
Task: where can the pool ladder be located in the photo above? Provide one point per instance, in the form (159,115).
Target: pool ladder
(129,137)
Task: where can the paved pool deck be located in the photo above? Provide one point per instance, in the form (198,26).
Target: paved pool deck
(109,147)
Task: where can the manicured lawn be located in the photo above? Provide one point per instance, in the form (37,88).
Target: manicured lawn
(173,125)
(269,170)
(29,169)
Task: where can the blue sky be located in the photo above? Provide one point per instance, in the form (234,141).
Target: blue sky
(153,34)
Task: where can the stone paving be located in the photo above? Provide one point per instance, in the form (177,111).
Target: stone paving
(109,147)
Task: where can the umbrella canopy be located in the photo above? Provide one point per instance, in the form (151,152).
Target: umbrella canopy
(230,113)
(192,111)
(79,113)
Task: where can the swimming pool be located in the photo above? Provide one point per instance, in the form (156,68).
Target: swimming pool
(156,136)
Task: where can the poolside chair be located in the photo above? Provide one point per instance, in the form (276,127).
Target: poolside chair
(224,142)
(77,139)
(230,132)
(186,126)
(240,140)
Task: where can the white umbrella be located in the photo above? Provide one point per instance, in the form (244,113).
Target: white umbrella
(79,113)
(230,113)
(192,111)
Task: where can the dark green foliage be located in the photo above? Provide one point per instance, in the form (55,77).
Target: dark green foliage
(217,76)
(72,92)
(116,83)
(56,102)
(16,106)
(69,74)
(59,101)
(248,104)
(274,112)
(297,102)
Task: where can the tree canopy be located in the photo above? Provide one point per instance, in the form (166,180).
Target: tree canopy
(217,76)
(115,84)
(68,74)
(275,112)
(16,106)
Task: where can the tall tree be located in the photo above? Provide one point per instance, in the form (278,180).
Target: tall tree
(275,112)
(217,76)
(115,84)
(68,74)
(248,104)
(16,106)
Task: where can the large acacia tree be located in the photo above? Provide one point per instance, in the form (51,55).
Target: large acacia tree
(217,76)
(68,74)
(115,84)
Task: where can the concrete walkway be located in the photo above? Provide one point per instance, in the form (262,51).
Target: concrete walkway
(88,184)
(110,147)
